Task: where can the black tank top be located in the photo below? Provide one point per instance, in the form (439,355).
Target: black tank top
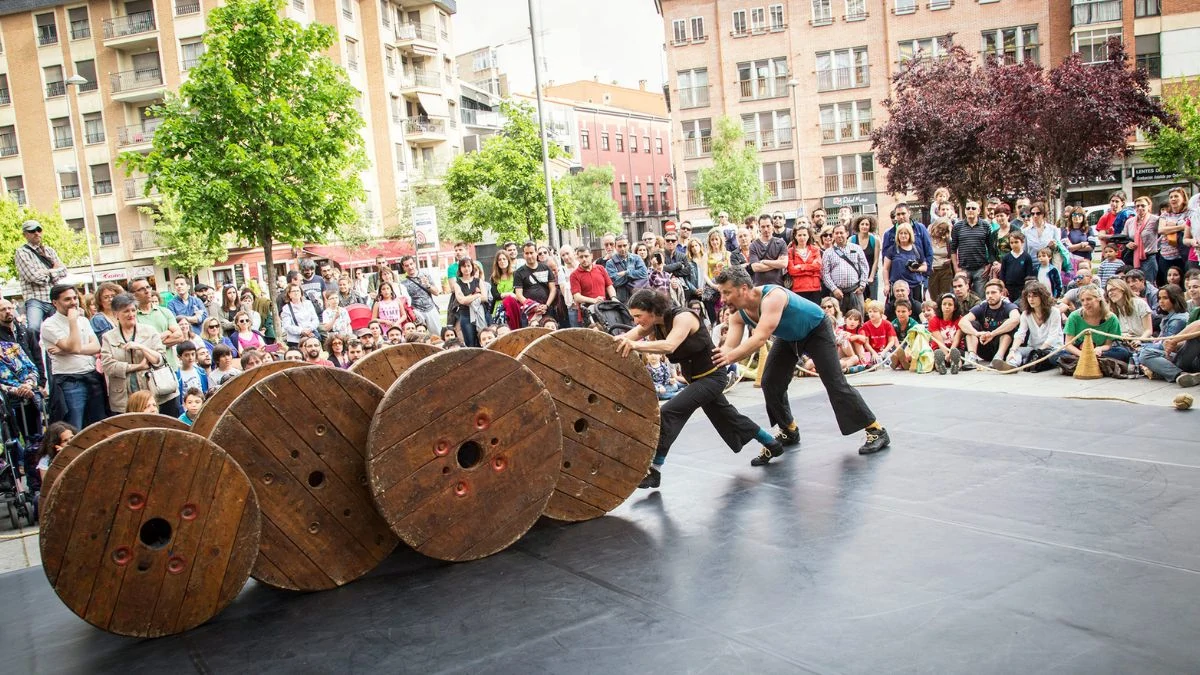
(694,354)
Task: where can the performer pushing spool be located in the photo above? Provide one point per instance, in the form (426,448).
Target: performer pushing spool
(678,334)
(800,327)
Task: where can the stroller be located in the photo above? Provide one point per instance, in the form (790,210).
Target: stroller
(15,497)
(613,317)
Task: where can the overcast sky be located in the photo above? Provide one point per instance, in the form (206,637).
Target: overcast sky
(615,39)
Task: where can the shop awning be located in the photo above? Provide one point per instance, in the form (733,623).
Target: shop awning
(363,255)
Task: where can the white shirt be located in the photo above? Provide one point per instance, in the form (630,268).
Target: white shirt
(190,378)
(56,328)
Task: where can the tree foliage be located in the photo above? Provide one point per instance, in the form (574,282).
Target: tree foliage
(591,193)
(182,249)
(70,245)
(500,189)
(732,183)
(422,194)
(262,140)
(995,128)
(1177,148)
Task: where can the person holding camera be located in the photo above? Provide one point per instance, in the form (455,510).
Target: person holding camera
(905,261)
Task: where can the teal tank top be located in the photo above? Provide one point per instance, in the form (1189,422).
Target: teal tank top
(800,316)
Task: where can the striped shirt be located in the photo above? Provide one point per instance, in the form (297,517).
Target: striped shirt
(844,273)
(973,244)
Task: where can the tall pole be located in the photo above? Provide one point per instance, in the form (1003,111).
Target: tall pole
(551,225)
(81,171)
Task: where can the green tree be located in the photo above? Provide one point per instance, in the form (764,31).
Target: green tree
(70,245)
(422,194)
(732,183)
(500,189)
(262,140)
(595,208)
(1177,149)
(182,249)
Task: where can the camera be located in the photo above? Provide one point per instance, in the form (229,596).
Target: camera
(913,265)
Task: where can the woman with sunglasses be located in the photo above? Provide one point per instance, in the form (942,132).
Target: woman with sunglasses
(212,335)
(1039,233)
(299,317)
(244,336)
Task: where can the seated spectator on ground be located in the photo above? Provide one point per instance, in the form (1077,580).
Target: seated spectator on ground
(311,349)
(293,355)
(929,309)
(852,323)
(367,337)
(989,326)
(666,382)
(946,335)
(252,358)
(486,337)
(56,437)
(335,348)
(193,400)
(902,324)
(960,285)
(1093,313)
(1153,356)
(1111,265)
(395,335)
(189,375)
(1132,312)
(1040,331)
(223,369)
(879,330)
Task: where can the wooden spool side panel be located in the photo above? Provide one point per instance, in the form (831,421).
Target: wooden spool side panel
(220,401)
(383,366)
(105,428)
(515,342)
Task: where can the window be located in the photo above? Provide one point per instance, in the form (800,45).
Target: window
(444,24)
(679,26)
(351,54)
(68,185)
(186,7)
(777,18)
(847,121)
(5,96)
(843,69)
(658,145)
(298,4)
(624,188)
(385,11)
(47,30)
(620,143)
(87,70)
(758,20)
(604,140)
(780,180)
(906,6)
(93,128)
(1147,8)
(101,179)
(81,29)
(61,128)
(15,185)
(739,23)
(822,12)
(389,59)
(693,88)
(107,224)
(940,4)
(763,79)
(1011,45)
(697,138)
(849,173)
(8,141)
(646,144)
(585,139)
(76,225)
(637,198)
(856,10)
(1086,12)
(930,48)
(54,81)
(698,33)
(768,130)
(632,143)
(348,9)
(1093,44)
(191,51)
(1149,56)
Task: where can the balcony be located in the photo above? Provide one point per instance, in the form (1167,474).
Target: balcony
(185,7)
(424,131)
(693,199)
(81,30)
(625,206)
(145,84)
(422,81)
(135,191)
(832,132)
(429,171)
(69,192)
(770,139)
(143,240)
(1095,11)
(693,97)
(848,77)
(781,190)
(47,35)
(133,32)
(137,134)
(8,149)
(481,118)
(692,149)
(416,37)
(847,183)
(764,87)
(56,89)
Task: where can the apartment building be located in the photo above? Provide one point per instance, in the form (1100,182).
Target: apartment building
(59,143)
(481,69)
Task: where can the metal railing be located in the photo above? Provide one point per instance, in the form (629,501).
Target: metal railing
(130,24)
(81,29)
(692,149)
(424,126)
(843,78)
(1099,11)
(132,80)
(693,97)
(415,31)
(47,35)
(69,192)
(780,190)
(90,85)
(423,78)
(8,150)
(480,118)
(432,170)
(625,205)
(185,7)
(693,198)
(134,134)
(143,240)
(111,238)
(135,188)
(102,187)
(764,87)
(66,140)
(770,139)
(55,89)
(5,98)
(91,137)
(850,182)
(833,132)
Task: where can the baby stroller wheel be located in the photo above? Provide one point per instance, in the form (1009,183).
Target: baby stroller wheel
(13,515)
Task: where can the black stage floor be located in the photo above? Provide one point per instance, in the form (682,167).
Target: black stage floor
(1016,535)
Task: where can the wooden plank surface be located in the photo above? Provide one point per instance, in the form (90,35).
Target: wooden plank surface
(101,430)
(515,342)
(221,399)
(383,366)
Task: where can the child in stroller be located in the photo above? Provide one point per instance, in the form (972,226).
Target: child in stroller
(611,316)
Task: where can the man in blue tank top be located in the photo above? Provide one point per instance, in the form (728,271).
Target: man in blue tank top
(799,327)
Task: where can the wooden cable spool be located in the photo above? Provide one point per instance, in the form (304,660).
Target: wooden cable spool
(101,430)
(383,366)
(300,435)
(609,416)
(1088,366)
(150,532)
(221,399)
(515,342)
(463,453)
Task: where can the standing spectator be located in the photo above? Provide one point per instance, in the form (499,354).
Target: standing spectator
(1081,241)
(589,283)
(187,305)
(104,319)
(942,272)
(230,305)
(127,353)
(627,271)
(1112,223)
(212,335)
(989,326)
(298,317)
(223,369)
(502,290)
(246,304)
(1016,266)
(844,270)
(424,297)
(768,255)
(716,258)
(1047,274)
(193,400)
(567,266)
(212,305)
(329,276)
(1173,225)
(685,236)
(863,229)
(1001,229)
(904,261)
(389,307)
(728,230)
(335,319)
(311,284)
(347,294)
(804,264)
(971,247)
(160,319)
(534,281)
(15,332)
(39,269)
(68,338)
(469,315)
(189,375)
(1111,265)
(740,257)
(1039,233)
(921,238)
(779,228)
(245,337)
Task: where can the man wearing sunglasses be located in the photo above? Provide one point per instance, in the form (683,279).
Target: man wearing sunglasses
(972,249)
(153,314)
(39,268)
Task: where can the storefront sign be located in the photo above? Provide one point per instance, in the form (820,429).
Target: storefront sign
(848,200)
(1113,176)
(425,229)
(1147,173)
(142,271)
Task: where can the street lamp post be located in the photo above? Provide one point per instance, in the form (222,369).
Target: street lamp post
(800,210)
(551,225)
(81,172)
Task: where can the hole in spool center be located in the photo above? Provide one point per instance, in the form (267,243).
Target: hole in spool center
(581,425)
(469,454)
(316,479)
(155,533)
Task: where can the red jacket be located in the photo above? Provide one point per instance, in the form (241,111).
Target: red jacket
(806,276)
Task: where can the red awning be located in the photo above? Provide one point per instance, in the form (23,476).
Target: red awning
(363,255)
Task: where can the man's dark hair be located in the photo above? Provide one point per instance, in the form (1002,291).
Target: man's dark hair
(765,216)
(137,279)
(734,275)
(1135,274)
(510,243)
(405,259)
(647,300)
(221,350)
(581,249)
(528,244)
(905,304)
(292,275)
(189,281)
(58,289)
(184,347)
(122,300)
(994,282)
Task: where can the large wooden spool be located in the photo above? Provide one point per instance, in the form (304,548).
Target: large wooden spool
(515,342)
(463,453)
(383,366)
(300,435)
(609,416)
(222,398)
(101,430)
(150,532)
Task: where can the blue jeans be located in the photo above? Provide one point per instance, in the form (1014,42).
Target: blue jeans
(469,335)
(1150,268)
(35,312)
(84,397)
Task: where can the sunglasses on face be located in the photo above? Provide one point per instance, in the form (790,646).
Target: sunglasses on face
(243,320)
(1035,213)
(972,208)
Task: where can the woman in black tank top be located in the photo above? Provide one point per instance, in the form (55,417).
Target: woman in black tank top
(679,334)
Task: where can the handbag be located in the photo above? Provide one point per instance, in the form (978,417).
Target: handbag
(161,380)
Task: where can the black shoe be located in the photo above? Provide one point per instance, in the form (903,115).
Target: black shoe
(769,452)
(652,480)
(785,437)
(877,439)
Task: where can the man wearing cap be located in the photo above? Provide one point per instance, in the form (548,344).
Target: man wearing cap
(728,230)
(39,268)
